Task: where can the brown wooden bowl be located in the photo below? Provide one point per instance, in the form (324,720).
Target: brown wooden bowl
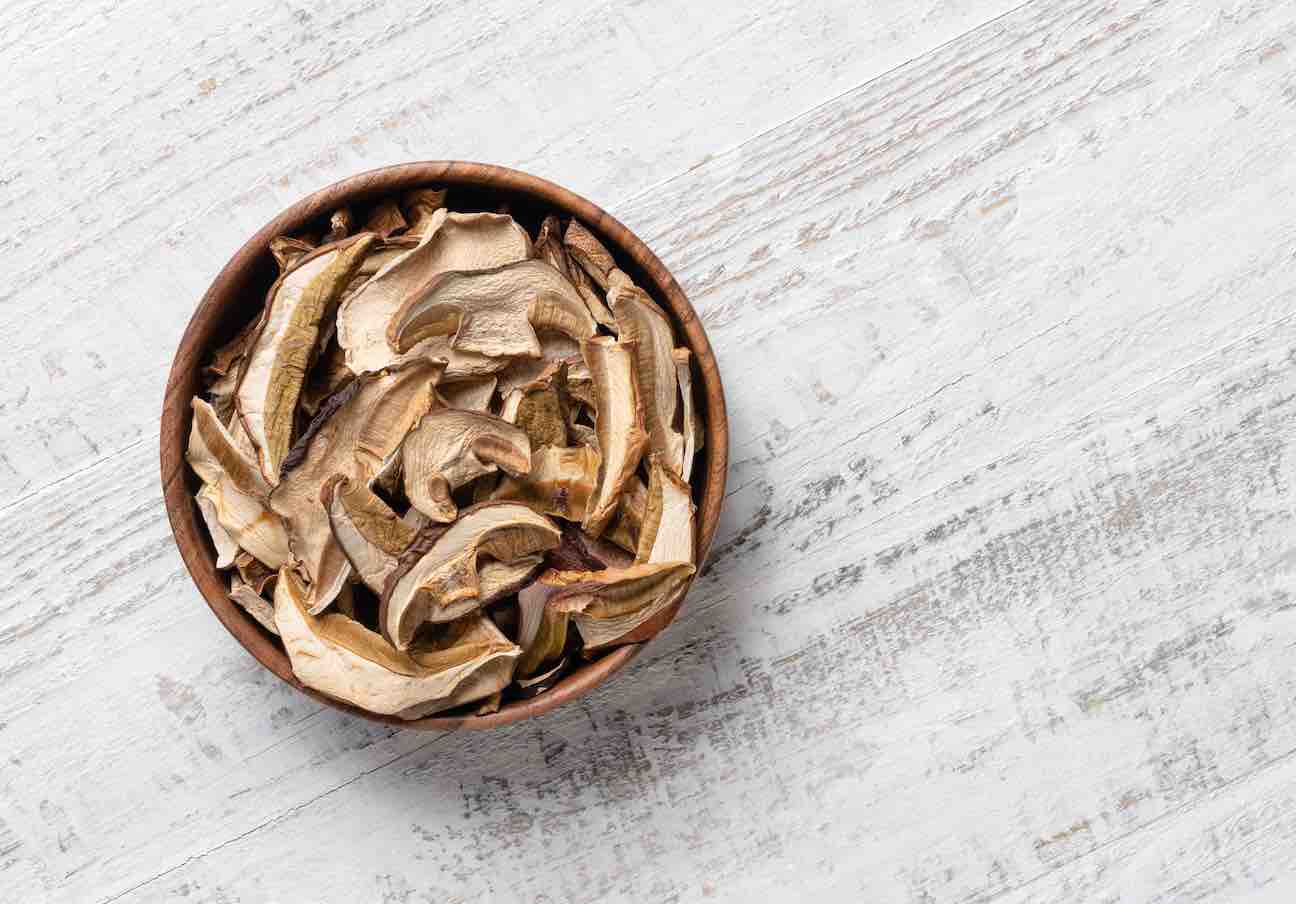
(239,292)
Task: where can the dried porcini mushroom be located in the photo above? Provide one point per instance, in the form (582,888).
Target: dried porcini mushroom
(340,657)
(275,367)
(424,450)
(493,312)
(643,323)
(449,448)
(445,582)
(618,422)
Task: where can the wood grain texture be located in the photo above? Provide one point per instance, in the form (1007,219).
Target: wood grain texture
(1000,608)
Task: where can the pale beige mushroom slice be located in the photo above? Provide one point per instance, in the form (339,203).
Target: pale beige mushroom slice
(561,482)
(274,370)
(450,447)
(472,394)
(592,295)
(666,532)
(453,242)
(618,423)
(340,657)
(227,549)
(549,246)
(607,606)
(354,435)
(692,433)
(542,629)
(493,312)
(371,535)
(385,218)
(444,584)
(540,408)
(589,253)
(644,324)
(420,206)
(554,348)
(254,572)
(253,603)
(235,491)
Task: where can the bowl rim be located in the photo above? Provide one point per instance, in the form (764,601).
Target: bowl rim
(250,260)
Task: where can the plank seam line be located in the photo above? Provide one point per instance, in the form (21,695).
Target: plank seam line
(66,477)
(278,817)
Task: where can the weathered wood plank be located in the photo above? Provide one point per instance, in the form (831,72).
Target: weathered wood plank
(1000,609)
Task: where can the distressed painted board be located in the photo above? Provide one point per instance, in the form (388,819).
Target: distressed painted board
(1003,605)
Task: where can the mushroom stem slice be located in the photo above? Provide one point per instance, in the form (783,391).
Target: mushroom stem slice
(341,658)
(666,533)
(561,482)
(618,423)
(640,321)
(257,606)
(450,447)
(692,426)
(607,606)
(589,252)
(493,312)
(444,584)
(275,367)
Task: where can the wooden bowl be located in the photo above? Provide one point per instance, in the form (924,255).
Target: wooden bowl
(239,293)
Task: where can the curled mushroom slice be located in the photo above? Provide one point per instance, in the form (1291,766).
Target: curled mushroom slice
(253,603)
(542,629)
(453,242)
(666,534)
(692,427)
(498,579)
(235,491)
(631,510)
(493,312)
(339,657)
(561,482)
(607,606)
(618,422)
(288,251)
(420,205)
(589,252)
(644,324)
(254,572)
(554,348)
(450,447)
(227,549)
(472,394)
(354,436)
(549,246)
(275,367)
(444,584)
(534,687)
(371,535)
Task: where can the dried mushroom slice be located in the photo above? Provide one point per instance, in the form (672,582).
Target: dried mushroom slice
(618,422)
(341,225)
(499,579)
(554,348)
(225,361)
(353,437)
(329,375)
(643,323)
(606,606)
(632,508)
(234,494)
(473,394)
(370,534)
(493,312)
(589,252)
(453,242)
(561,482)
(542,629)
(692,427)
(276,365)
(345,660)
(254,572)
(227,549)
(450,447)
(666,534)
(385,218)
(420,205)
(288,251)
(540,409)
(444,584)
(253,603)
(549,247)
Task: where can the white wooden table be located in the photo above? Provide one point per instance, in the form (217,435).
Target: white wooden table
(1003,604)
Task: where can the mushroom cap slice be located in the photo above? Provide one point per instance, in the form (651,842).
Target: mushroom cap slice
(454,241)
(692,426)
(275,367)
(227,549)
(666,534)
(606,606)
(385,218)
(640,321)
(341,658)
(493,312)
(631,510)
(288,251)
(353,438)
(450,447)
(472,394)
(370,534)
(561,482)
(444,584)
(589,252)
(542,629)
(618,423)
(235,491)
(554,348)
(253,603)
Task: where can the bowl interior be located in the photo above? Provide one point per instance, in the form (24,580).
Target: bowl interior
(237,295)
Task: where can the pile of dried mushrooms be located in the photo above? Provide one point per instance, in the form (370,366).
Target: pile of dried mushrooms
(450,459)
